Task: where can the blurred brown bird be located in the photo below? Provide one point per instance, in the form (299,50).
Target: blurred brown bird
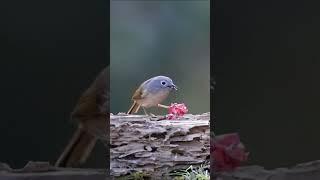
(91,115)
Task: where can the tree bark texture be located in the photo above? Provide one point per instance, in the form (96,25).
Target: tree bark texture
(157,146)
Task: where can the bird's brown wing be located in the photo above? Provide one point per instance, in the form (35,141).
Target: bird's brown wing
(140,93)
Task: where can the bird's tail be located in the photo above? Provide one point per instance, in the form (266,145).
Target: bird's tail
(134,108)
(78,149)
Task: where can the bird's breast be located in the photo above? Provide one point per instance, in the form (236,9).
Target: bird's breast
(153,99)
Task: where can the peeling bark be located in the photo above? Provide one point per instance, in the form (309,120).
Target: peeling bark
(155,146)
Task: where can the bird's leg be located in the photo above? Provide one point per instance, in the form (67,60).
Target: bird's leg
(145,111)
(163,106)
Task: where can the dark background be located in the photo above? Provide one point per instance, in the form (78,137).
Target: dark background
(267,70)
(50,53)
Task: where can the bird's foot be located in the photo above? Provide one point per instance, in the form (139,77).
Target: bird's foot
(152,115)
(158,118)
(163,106)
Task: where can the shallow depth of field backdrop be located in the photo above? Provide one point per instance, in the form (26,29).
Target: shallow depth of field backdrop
(150,38)
(267,71)
(51,52)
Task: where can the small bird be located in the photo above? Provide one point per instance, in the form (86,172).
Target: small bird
(151,93)
(91,114)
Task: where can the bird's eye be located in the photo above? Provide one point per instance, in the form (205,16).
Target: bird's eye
(163,83)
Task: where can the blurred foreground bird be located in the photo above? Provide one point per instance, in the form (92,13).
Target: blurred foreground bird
(91,115)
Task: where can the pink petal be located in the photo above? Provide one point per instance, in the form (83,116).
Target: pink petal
(227,152)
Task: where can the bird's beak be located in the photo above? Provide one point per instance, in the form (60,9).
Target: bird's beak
(174,87)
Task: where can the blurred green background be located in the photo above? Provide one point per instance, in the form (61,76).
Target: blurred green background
(150,38)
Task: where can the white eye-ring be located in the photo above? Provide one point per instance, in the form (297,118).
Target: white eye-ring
(163,83)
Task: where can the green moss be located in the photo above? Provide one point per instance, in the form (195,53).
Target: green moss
(191,173)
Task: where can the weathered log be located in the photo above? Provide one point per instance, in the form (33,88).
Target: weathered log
(44,171)
(304,171)
(142,144)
